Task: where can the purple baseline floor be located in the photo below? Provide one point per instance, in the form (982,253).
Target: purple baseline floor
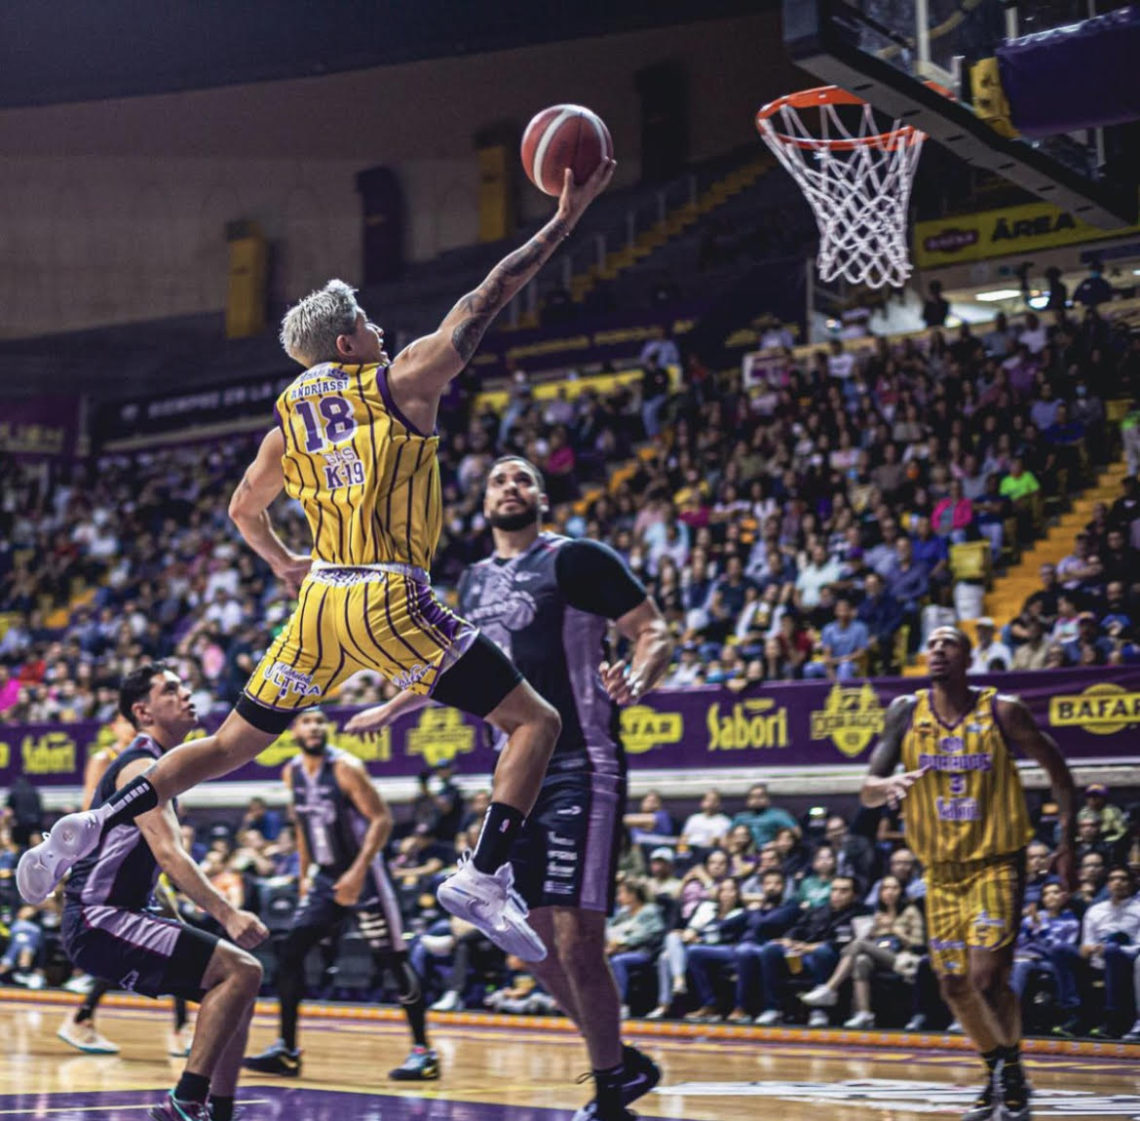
(271,1103)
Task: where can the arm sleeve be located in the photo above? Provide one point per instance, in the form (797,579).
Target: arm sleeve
(595,579)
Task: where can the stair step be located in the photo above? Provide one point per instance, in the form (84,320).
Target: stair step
(1011,590)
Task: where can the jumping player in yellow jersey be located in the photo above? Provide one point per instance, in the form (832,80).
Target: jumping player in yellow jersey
(967,822)
(355,444)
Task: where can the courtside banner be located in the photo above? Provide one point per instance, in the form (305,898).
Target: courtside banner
(996,233)
(1092,713)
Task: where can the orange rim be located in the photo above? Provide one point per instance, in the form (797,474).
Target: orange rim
(903,136)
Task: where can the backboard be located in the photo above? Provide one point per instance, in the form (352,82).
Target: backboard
(906,56)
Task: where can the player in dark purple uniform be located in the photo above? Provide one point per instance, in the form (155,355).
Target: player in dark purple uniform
(108,931)
(344,825)
(548,602)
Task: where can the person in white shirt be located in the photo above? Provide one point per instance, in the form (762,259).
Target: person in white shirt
(1033,334)
(687,670)
(815,576)
(987,652)
(1110,942)
(840,364)
(708,828)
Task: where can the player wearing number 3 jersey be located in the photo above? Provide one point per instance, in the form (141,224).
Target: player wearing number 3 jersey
(966,820)
(355,444)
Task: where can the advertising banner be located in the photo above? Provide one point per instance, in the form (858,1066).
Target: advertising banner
(1092,713)
(39,428)
(996,233)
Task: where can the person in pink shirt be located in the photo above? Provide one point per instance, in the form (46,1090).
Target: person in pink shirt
(9,689)
(953,514)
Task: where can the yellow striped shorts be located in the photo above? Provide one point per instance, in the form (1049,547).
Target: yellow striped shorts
(975,905)
(381,617)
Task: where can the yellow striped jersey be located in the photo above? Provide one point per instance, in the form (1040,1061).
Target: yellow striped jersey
(367,480)
(970,805)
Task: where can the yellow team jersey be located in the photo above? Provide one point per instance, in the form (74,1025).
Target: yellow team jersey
(366,479)
(970,806)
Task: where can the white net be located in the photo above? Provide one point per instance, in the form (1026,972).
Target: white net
(857,180)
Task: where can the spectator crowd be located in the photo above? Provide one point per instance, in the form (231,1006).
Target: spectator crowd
(801,525)
(746,914)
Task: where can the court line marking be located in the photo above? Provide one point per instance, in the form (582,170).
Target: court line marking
(117,1108)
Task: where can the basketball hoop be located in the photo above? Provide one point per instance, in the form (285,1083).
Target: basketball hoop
(857,180)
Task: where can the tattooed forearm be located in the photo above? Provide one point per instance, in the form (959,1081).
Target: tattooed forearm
(503,281)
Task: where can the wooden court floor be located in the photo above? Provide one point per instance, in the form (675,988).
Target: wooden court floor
(497,1072)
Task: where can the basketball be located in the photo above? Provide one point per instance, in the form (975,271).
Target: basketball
(564,136)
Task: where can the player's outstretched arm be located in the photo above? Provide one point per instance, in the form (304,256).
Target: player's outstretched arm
(421,371)
(882,786)
(262,482)
(369,721)
(1023,732)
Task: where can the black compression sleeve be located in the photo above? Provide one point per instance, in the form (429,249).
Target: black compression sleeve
(594,578)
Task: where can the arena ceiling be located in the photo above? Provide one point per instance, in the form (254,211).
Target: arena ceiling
(76,50)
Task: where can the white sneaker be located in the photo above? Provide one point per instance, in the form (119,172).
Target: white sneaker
(956,1029)
(1134,1035)
(490,903)
(178,1043)
(43,866)
(85,1037)
(769,1019)
(916,1023)
(861,1021)
(449,1002)
(818,1019)
(820,997)
(81,983)
(438,945)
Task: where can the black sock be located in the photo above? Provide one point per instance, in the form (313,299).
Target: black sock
(608,1083)
(181,1013)
(192,1088)
(416,1013)
(992,1058)
(221,1109)
(1012,1076)
(137,797)
(99,989)
(500,827)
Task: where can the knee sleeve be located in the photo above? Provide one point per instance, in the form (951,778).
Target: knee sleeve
(408,983)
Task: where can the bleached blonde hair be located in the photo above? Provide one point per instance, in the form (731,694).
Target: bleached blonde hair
(310,328)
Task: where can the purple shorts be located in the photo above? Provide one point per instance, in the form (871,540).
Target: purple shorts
(566,853)
(138,951)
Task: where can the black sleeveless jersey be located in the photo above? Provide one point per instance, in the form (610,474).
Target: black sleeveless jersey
(548,610)
(121,871)
(332,825)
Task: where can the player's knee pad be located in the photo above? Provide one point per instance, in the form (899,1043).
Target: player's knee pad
(408,981)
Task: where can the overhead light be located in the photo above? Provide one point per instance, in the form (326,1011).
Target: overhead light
(998,294)
(1136,272)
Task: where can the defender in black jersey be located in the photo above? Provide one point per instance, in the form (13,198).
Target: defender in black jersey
(78,1029)
(343,827)
(548,601)
(108,931)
